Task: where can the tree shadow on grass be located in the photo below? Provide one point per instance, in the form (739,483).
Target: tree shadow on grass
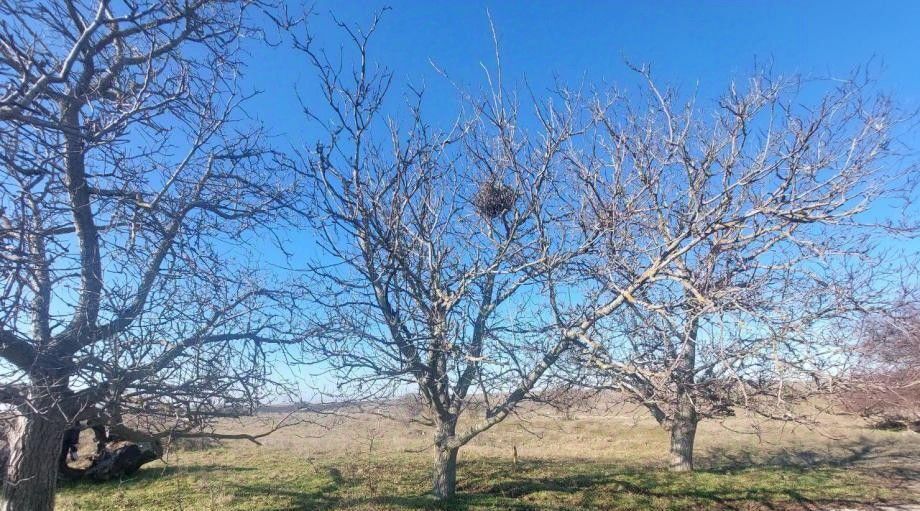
(318,499)
(153,472)
(626,488)
(790,479)
(885,459)
(739,479)
(513,496)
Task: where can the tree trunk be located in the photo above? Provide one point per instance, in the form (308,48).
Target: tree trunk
(683,421)
(31,472)
(683,433)
(445,473)
(445,461)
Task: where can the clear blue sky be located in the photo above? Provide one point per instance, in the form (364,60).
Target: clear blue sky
(705,42)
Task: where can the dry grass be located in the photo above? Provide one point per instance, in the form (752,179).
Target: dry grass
(611,459)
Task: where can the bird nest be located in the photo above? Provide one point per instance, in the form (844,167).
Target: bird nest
(494,198)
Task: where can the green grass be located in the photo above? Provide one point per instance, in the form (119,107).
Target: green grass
(255,479)
(602,460)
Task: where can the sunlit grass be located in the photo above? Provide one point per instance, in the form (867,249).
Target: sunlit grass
(596,462)
(226,479)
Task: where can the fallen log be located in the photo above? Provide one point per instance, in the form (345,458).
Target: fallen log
(117,460)
(111,458)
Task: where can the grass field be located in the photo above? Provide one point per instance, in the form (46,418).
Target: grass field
(599,460)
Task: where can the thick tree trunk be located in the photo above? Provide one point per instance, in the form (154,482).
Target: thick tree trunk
(32,469)
(684,420)
(445,472)
(683,433)
(445,461)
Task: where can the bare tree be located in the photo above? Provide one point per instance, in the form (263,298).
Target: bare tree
(763,340)
(757,214)
(435,244)
(129,195)
(884,382)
